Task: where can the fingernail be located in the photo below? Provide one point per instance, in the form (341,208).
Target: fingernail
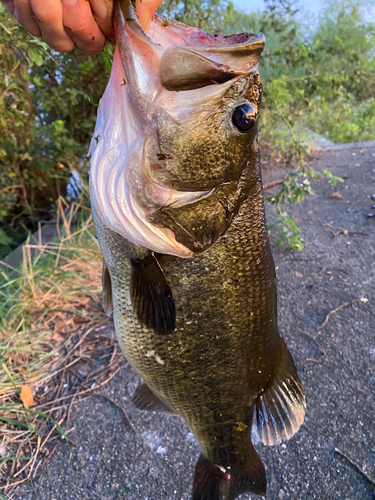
(99,8)
(69,2)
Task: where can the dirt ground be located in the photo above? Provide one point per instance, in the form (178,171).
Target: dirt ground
(121,453)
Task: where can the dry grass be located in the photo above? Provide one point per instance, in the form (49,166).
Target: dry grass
(54,340)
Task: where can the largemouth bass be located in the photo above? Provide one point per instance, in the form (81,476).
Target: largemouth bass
(177,200)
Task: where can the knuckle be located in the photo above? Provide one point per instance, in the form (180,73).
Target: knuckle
(90,41)
(95,50)
(62,46)
(35,31)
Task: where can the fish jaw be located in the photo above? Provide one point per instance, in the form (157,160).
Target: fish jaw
(133,171)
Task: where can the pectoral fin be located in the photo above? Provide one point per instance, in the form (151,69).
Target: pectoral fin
(280,410)
(151,296)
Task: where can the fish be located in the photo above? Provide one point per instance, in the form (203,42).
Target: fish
(188,274)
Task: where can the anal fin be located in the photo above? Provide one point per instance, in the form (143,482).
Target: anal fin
(145,399)
(151,296)
(280,409)
(107,291)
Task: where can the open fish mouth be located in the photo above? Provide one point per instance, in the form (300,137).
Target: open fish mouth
(163,86)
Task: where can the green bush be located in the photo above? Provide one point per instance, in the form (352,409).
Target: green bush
(323,80)
(46,123)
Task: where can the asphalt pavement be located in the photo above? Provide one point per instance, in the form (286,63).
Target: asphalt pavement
(121,453)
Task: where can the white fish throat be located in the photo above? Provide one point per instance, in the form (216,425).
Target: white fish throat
(116,136)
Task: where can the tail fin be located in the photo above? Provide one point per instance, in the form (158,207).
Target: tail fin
(214,483)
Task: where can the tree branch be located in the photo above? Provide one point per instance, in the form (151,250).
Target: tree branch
(16,186)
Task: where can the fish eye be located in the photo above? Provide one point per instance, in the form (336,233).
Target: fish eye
(244,117)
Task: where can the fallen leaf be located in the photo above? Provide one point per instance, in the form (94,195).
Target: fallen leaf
(57,337)
(26,396)
(84,371)
(241,426)
(62,324)
(22,371)
(336,195)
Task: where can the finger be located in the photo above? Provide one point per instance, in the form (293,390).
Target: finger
(145,10)
(25,17)
(81,26)
(102,11)
(49,16)
(9,5)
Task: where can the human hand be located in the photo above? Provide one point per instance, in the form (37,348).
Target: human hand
(66,23)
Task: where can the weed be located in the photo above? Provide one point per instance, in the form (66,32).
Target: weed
(289,234)
(50,308)
(292,191)
(332,180)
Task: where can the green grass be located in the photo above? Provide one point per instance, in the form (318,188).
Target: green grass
(54,283)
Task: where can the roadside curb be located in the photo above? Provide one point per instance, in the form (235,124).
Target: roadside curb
(346,146)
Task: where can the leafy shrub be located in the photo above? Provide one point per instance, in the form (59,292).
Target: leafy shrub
(292,191)
(46,122)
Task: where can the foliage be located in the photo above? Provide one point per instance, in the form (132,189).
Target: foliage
(289,233)
(46,122)
(332,179)
(210,15)
(292,191)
